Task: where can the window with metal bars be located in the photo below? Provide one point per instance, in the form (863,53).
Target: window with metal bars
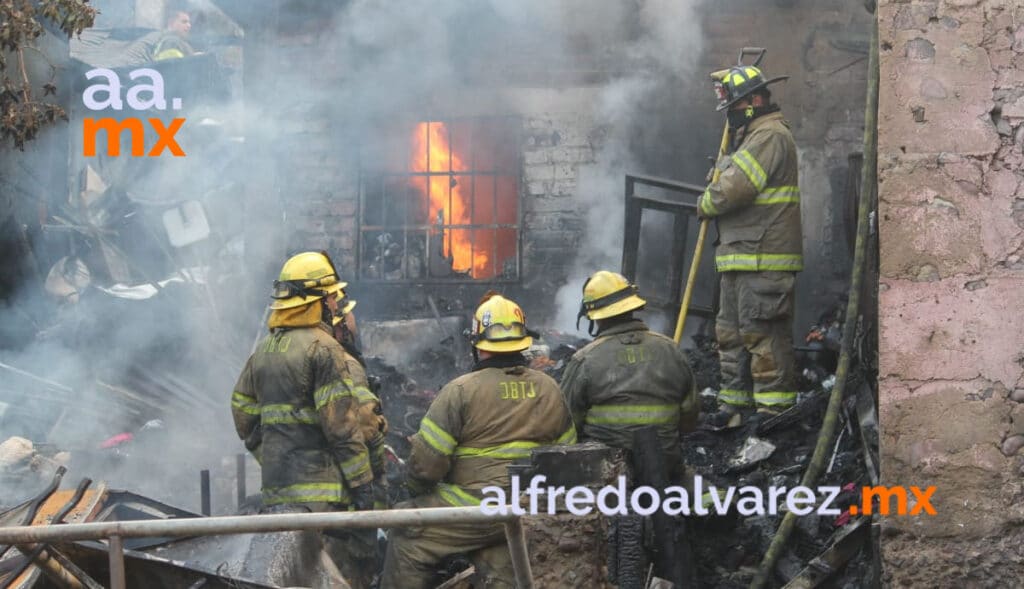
(446,208)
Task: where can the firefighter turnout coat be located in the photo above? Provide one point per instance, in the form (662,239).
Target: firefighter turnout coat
(482,421)
(294,406)
(628,378)
(756,202)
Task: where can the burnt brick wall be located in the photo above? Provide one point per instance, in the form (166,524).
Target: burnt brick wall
(554,148)
(313,186)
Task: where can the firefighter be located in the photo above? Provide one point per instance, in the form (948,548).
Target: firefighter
(172,42)
(756,204)
(293,404)
(371,414)
(478,424)
(628,377)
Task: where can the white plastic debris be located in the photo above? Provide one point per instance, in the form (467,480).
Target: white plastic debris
(753,451)
(14,452)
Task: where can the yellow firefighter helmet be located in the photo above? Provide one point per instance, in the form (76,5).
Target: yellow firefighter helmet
(607,294)
(499,325)
(305,278)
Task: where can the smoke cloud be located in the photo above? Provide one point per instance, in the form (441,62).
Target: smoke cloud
(358,70)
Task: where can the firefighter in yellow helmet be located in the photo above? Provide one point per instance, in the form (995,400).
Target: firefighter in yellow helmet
(293,404)
(629,377)
(478,424)
(756,204)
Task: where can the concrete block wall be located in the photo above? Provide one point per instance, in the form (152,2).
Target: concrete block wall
(952,286)
(555,146)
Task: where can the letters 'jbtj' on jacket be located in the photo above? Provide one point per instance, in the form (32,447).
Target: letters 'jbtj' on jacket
(482,421)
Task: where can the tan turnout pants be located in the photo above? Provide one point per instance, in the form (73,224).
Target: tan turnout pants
(755,326)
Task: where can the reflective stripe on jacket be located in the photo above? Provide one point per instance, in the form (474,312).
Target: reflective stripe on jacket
(756,202)
(482,421)
(294,405)
(629,378)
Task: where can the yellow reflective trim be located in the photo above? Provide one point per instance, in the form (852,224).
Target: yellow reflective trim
(735,397)
(508,450)
(632,414)
(356,466)
(283,413)
(707,499)
(245,403)
(569,437)
(777,195)
(330,392)
(775,398)
(305,493)
(435,437)
(456,496)
(752,169)
(759,262)
(364,395)
(169,54)
(706,206)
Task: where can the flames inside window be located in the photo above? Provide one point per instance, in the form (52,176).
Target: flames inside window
(445,205)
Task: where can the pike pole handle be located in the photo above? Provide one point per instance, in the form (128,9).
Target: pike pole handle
(684,307)
(694,264)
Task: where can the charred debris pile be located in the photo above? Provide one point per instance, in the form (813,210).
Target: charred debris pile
(130,407)
(840,549)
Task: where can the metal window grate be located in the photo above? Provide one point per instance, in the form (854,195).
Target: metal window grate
(446,207)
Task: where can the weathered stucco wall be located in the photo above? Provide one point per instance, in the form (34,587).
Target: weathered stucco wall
(951,125)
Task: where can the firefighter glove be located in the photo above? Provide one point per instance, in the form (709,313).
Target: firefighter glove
(362,497)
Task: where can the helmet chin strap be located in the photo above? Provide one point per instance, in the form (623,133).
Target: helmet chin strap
(742,117)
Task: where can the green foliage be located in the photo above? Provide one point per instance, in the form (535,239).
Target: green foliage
(23,111)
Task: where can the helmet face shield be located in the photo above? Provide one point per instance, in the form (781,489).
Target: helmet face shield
(501,332)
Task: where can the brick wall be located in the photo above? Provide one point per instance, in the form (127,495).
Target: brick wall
(951,329)
(313,183)
(554,148)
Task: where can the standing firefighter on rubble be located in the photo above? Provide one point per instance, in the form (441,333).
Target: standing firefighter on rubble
(756,203)
(294,406)
(629,377)
(478,424)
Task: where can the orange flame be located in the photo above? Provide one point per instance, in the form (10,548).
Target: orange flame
(448,196)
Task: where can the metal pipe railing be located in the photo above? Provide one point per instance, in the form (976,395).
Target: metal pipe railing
(280,522)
